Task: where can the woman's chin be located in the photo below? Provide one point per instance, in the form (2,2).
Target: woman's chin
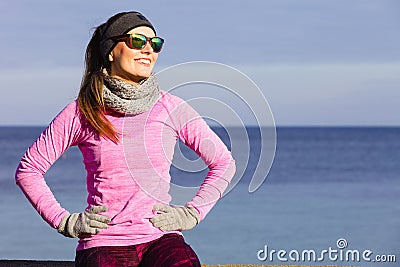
(143,76)
(136,78)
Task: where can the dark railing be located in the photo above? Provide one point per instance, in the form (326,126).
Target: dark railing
(30,263)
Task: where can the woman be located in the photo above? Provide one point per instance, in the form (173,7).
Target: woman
(126,129)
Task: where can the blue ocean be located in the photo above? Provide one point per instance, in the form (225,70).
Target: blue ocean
(331,197)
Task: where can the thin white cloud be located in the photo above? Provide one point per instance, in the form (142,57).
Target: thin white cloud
(35,96)
(332,94)
(302,94)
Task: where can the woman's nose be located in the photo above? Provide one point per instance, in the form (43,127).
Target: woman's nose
(147,48)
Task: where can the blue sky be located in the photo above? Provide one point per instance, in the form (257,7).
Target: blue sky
(331,62)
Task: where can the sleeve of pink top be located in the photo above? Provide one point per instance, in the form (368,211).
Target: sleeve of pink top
(196,134)
(40,156)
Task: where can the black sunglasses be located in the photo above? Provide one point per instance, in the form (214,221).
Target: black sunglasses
(139,41)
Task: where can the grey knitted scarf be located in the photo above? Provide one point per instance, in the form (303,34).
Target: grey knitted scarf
(130,99)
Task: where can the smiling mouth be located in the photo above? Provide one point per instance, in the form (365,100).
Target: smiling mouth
(143,61)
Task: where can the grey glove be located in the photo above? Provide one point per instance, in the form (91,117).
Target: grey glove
(175,217)
(88,222)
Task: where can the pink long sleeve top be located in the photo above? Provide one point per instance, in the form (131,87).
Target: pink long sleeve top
(128,177)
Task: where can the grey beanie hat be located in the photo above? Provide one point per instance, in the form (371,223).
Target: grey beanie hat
(120,24)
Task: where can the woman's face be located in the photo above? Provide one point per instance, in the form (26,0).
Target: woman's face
(133,64)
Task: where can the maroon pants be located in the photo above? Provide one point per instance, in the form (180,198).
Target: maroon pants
(168,250)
